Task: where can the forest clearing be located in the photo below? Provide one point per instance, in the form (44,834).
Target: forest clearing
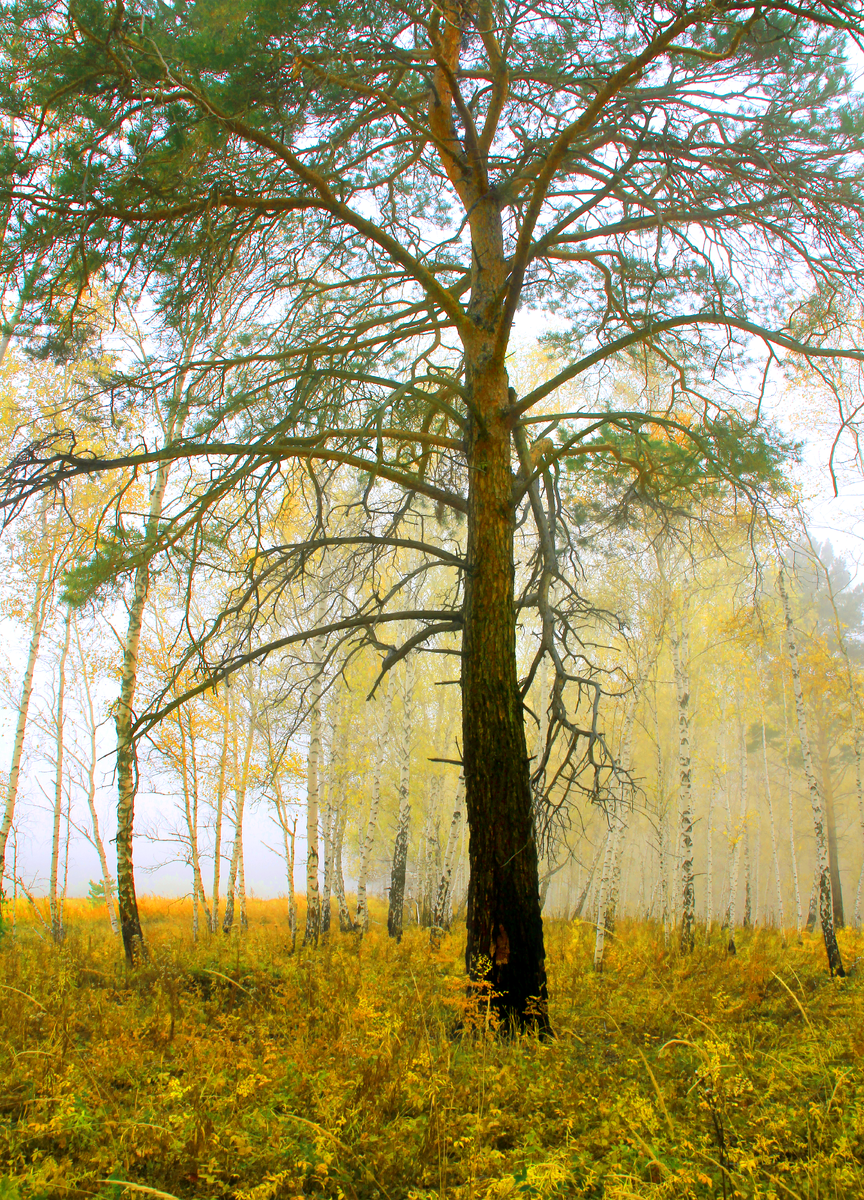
(431,447)
(234,1069)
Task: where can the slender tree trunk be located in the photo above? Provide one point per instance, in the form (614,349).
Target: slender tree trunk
(220,808)
(736,845)
(90,718)
(793,856)
(331,774)
(826,905)
(382,730)
(313,900)
(241,892)
(55,900)
(859,792)
(241,781)
(346,924)
(429,876)
(830,821)
(709,861)
(603,895)
(813,904)
(400,849)
(592,870)
(36,624)
(190,805)
(685,793)
(774,848)
(445,884)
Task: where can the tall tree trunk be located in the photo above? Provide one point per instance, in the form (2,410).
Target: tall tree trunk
(36,623)
(680,665)
(400,848)
(188,767)
(826,904)
(241,781)
(90,720)
(428,876)
(793,856)
(505,927)
(346,924)
(329,770)
(313,900)
(739,833)
(504,943)
(288,825)
(55,898)
(220,808)
(382,730)
(774,848)
(830,821)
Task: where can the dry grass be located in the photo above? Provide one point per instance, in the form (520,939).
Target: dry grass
(234,1069)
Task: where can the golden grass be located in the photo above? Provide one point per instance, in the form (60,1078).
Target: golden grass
(234,1069)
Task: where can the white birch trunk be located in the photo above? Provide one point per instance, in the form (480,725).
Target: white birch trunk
(680,656)
(329,803)
(775,852)
(735,865)
(709,863)
(36,624)
(395,913)
(382,729)
(826,903)
(55,897)
(220,809)
(190,805)
(445,884)
(90,719)
(313,899)
(241,781)
(793,856)
(602,897)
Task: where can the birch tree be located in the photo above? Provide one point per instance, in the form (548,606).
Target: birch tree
(823,869)
(395,913)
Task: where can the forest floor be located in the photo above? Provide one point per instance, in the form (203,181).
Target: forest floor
(235,1069)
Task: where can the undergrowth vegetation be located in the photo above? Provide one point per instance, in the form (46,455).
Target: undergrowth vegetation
(233,1068)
